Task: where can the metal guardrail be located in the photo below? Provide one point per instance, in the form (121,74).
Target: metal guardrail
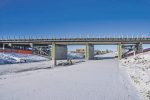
(75,39)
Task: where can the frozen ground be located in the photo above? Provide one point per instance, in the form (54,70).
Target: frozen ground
(138,70)
(11,58)
(15,68)
(81,56)
(106,56)
(91,80)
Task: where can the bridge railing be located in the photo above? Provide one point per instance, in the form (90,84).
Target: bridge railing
(31,40)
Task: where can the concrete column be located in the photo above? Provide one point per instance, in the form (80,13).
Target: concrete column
(32,46)
(59,52)
(3,47)
(53,54)
(10,45)
(89,52)
(119,51)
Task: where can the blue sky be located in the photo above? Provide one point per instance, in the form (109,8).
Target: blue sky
(59,18)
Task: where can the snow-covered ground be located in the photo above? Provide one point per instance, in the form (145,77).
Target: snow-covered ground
(91,80)
(23,67)
(82,56)
(106,56)
(11,58)
(138,70)
(15,68)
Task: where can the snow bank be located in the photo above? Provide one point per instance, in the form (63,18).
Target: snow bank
(23,67)
(11,58)
(138,70)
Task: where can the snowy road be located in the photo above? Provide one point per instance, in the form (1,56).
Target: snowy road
(92,80)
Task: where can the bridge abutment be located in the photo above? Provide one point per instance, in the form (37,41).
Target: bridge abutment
(89,52)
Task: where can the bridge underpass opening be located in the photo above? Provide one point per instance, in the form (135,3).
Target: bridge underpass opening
(105,52)
(76,51)
(63,52)
(42,50)
(60,51)
(87,51)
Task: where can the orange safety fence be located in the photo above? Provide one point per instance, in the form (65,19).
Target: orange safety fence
(16,51)
(24,51)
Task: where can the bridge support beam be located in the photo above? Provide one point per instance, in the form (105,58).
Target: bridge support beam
(59,52)
(120,51)
(89,52)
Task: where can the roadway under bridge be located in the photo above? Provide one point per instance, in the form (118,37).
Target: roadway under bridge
(59,45)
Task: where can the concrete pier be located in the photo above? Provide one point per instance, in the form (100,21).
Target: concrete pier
(10,45)
(59,52)
(3,46)
(89,52)
(120,51)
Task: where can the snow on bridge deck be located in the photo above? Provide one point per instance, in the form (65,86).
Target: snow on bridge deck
(91,80)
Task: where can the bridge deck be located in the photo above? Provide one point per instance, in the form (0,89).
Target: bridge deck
(79,40)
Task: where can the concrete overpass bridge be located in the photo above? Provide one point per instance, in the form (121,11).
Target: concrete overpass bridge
(59,45)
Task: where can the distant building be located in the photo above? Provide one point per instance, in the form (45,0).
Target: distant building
(80,50)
